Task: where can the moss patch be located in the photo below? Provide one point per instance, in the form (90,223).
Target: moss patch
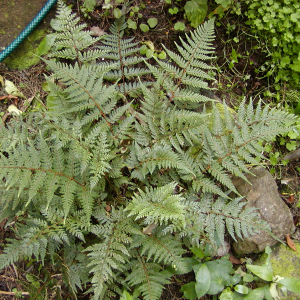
(25,55)
(285,263)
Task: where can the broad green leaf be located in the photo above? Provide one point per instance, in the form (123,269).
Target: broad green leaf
(242,289)
(143,49)
(292,284)
(267,264)
(179,26)
(189,291)
(144,27)
(198,252)
(195,11)
(261,271)
(131,24)
(89,4)
(162,55)
(117,13)
(257,294)
(224,3)
(173,11)
(152,22)
(202,280)
(235,279)
(149,53)
(227,294)
(220,277)
(46,44)
(248,278)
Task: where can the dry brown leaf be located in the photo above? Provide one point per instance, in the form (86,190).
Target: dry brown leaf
(234,260)
(97,31)
(149,228)
(291,199)
(8,97)
(290,243)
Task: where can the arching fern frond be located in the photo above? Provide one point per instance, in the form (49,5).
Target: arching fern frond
(148,278)
(209,218)
(160,206)
(110,254)
(70,38)
(122,54)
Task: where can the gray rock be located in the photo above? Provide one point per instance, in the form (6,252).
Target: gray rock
(263,195)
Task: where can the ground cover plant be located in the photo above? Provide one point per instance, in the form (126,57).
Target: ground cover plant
(279,21)
(127,167)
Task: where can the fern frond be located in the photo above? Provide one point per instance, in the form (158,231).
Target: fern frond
(148,278)
(210,218)
(191,70)
(161,249)
(71,38)
(110,254)
(158,206)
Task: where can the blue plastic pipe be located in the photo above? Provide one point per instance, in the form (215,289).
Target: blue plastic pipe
(23,35)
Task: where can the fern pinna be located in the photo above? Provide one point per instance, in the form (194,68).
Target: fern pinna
(111,179)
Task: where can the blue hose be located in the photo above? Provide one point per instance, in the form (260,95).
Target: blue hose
(38,18)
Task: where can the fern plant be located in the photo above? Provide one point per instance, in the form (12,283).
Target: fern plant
(117,175)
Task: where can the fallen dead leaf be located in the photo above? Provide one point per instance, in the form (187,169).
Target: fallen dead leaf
(97,31)
(290,199)
(8,97)
(13,109)
(234,260)
(290,243)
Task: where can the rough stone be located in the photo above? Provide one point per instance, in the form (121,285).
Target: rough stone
(285,263)
(262,194)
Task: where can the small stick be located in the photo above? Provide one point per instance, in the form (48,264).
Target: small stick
(14,293)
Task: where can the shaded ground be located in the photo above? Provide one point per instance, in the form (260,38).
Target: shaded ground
(15,15)
(236,77)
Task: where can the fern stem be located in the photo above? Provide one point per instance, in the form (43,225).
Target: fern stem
(43,170)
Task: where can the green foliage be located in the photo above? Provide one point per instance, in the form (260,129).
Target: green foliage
(126,162)
(179,26)
(196,11)
(279,23)
(213,276)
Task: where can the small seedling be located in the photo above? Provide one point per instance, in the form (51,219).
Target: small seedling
(179,26)
(173,11)
(144,27)
(152,22)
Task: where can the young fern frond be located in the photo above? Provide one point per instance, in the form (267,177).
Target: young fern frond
(110,254)
(184,81)
(158,206)
(40,237)
(122,55)
(147,277)
(70,39)
(161,249)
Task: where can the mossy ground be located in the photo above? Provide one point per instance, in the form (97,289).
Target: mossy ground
(285,263)
(25,55)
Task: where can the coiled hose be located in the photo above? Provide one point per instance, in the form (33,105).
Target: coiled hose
(36,20)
